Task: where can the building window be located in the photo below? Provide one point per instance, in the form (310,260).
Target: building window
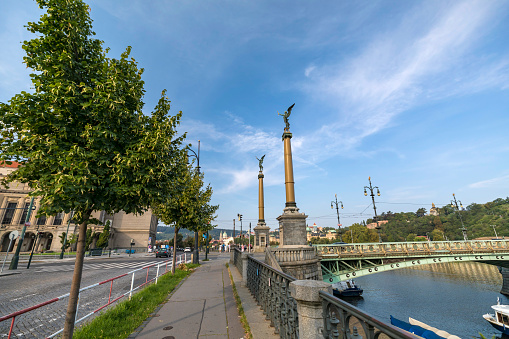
(41,220)
(9,213)
(58,219)
(25,213)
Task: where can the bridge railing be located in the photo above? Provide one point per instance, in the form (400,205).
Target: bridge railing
(412,248)
(342,320)
(307,309)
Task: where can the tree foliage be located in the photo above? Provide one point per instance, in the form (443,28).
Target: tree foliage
(80,135)
(103,240)
(188,207)
(477,218)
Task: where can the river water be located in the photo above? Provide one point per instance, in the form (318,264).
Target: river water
(449,296)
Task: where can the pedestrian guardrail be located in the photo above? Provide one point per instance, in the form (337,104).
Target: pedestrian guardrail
(151,273)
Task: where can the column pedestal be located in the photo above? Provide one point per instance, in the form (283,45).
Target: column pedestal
(261,236)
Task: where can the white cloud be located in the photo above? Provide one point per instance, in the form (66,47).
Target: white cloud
(393,73)
(490,182)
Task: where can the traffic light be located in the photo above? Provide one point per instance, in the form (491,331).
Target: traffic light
(240,217)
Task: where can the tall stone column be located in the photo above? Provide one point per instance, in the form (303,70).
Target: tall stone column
(261,230)
(289,182)
(293,255)
(292,224)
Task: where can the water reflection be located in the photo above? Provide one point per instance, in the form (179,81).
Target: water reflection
(450,296)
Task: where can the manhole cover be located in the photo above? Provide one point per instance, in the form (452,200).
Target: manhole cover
(169,337)
(168,328)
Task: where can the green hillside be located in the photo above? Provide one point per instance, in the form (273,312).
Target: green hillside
(477,219)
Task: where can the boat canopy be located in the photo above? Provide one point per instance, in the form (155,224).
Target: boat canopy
(415,329)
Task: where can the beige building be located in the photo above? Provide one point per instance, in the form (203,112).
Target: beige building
(44,232)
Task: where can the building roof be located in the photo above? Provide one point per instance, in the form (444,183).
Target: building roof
(14,164)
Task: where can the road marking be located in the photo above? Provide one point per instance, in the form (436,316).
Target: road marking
(105,266)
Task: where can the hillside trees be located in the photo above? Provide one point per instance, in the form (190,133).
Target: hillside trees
(81,137)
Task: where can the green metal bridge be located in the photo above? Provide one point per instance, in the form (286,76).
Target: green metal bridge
(347,261)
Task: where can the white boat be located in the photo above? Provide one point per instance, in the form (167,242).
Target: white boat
(499,320)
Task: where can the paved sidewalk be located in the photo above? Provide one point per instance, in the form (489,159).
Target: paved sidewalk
(203,306)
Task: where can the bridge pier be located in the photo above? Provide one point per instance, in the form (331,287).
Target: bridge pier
(505,280)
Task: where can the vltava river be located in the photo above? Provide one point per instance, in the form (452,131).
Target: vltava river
(451,296)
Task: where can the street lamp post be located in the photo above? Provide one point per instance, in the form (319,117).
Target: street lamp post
(337,211)
(454,205)
(66,235)
(196,255)
(371,188)
(249,237)
(240,219)
(15,258)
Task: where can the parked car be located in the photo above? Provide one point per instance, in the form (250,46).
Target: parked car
(187,249)
(162,252)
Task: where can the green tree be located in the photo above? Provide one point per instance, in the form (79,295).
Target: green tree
(186,204)
(421,212)
(411,237)
(103,240)
(89,239)
(62,240)
(81,137)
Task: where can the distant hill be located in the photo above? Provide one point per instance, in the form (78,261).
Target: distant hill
(478,219)
(167,233)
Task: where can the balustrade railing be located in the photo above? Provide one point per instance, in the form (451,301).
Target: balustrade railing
(342,320)
(271,289)
(237,259)
(412,248)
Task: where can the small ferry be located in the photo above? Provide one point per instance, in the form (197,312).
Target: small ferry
(499,320)
(346,288)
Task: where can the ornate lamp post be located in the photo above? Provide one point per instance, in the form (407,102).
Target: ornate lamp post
(197,156)
(241,236)
(337,211)
(454,205)
(371,188)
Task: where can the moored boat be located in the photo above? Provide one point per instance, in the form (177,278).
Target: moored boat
(421,329)
(346,288)
(499,320)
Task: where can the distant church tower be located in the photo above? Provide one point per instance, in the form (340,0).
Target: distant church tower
(433,210)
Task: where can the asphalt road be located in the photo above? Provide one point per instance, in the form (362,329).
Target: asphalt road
(51,279)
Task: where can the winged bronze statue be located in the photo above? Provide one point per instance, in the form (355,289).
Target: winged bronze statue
(260,162)
(287,115)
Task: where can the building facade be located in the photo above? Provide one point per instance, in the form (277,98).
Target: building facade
(43,234)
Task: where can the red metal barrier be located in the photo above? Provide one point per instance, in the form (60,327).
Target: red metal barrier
(26,310)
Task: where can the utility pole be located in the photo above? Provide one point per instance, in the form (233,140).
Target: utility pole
(249,248)
(494,230)
(371,188)
(234,231)
(337,211)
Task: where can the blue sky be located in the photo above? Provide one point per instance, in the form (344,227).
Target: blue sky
(414,94)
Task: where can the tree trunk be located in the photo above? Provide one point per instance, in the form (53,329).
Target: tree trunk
(76,279)
(174,260)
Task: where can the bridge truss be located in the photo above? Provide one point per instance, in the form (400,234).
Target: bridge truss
(347,261)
